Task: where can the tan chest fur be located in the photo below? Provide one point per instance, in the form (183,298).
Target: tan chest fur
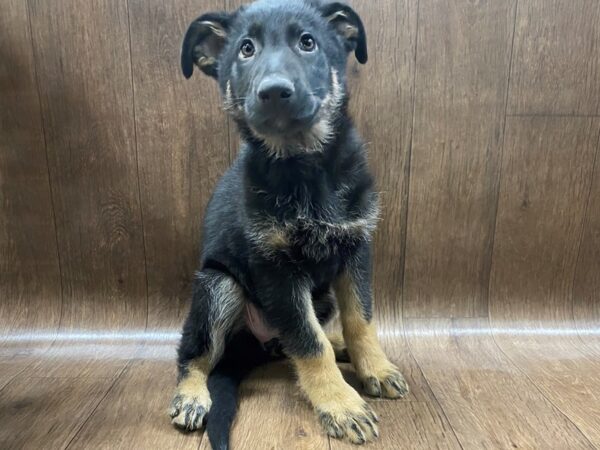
(310,237)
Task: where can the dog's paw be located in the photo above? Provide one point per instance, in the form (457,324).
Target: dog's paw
(389,384)
(188,411)
(346,415)
(358,424)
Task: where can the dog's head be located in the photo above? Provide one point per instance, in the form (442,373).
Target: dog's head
(280,66)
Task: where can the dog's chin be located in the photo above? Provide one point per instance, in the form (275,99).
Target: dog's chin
(281,127)
(286,135)
(283,124)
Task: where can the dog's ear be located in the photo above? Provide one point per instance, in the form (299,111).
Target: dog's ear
(203,42)
(349,26)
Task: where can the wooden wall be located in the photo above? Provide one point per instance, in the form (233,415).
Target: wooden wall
(483,124)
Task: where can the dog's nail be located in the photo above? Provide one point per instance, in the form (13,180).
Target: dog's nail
(359,433)
(374,417)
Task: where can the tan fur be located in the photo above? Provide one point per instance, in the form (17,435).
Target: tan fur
(335,15)
(278,239)
(317,235)
(232,105)
(342,412)
(226,314)
(338,344)
(347,30)
(215,27)
(192,399)
(206,61)
(350,32)
(379,376)
(339,406)
(337,341)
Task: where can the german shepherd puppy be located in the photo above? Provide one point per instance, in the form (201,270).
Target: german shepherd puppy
(287,233)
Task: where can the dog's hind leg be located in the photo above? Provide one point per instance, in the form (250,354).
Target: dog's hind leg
(339,347)
(324,305)
(217,304)
(378,375)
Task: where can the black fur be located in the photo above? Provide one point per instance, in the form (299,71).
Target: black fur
(319,201)
(243,353)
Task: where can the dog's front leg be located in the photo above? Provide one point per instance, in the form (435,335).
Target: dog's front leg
(378,375)
(343,413)
(217,304)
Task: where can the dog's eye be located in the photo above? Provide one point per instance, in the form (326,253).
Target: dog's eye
(247,49)
(307,43)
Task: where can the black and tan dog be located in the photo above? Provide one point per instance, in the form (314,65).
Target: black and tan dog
(287,232)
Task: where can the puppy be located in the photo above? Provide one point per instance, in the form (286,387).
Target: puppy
(287,233)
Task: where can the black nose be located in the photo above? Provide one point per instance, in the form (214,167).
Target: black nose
(275,89)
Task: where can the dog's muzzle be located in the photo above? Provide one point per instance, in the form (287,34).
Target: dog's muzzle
(279,106)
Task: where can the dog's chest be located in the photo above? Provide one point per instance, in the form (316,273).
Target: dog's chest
(312,234)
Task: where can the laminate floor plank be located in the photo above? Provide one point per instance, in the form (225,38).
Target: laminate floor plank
(565,371)
(488,401)
(134,413)
(466,392)
(12,367)
(46,413)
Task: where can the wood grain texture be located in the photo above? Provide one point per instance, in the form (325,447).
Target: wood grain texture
(133,414)
(586,284)
(12,364)
(84,74)
(487,400)
(460,99)
(46,413)
(384,84)
(547,176)
(564,371)
(183,147)
(89,358)
(29,267)
(556,63)
(546,179)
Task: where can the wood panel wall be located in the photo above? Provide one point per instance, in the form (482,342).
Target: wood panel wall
(483,124)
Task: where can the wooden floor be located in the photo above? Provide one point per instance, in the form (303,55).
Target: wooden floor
(472,387)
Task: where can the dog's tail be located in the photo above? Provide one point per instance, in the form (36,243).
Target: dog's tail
(242,354)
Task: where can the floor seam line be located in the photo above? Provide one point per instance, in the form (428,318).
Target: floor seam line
(108,391)
(537,388)
(410,352)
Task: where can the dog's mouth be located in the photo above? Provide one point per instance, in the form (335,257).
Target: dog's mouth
(284,122)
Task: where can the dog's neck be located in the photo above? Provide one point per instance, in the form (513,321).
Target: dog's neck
(305,181)
(300,162)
